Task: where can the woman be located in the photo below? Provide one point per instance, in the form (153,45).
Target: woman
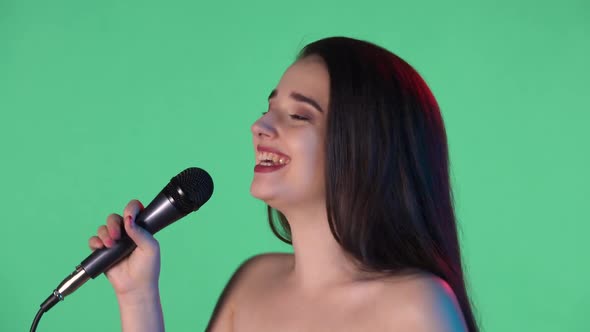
(352,161)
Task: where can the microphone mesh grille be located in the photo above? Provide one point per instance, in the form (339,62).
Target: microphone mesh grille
(196,187)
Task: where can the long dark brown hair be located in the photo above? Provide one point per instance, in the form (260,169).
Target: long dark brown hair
(388,192)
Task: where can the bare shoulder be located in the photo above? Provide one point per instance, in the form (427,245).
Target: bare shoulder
(261,271)
(420,302)
(268,265)
(253,276)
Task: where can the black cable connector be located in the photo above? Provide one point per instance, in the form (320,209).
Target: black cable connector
(44,307)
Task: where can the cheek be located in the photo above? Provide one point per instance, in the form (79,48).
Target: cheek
(310,150)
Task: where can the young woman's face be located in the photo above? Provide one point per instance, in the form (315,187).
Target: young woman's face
(289,138)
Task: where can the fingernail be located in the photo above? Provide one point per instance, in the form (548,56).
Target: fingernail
(130,221)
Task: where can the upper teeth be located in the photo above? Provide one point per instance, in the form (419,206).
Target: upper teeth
(266,158)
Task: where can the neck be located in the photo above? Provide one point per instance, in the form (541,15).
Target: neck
(320,262)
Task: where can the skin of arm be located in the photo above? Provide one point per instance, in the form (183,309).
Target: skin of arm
(141,312)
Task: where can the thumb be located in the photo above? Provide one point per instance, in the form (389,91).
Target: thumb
(142,238)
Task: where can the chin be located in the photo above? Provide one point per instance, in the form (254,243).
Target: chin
(260,193)
(268,197)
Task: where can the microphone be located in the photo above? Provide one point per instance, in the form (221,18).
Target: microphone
(185,193)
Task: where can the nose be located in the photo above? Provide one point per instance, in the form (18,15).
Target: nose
(264,127)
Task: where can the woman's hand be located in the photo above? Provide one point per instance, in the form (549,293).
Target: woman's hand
(138,273)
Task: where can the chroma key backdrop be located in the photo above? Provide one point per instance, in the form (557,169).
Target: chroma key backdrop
(104,101)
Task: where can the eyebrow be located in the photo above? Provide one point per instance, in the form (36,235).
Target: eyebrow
(300,98)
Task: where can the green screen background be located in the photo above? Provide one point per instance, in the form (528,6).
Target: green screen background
(105,101)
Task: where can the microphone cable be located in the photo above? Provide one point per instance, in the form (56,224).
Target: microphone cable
(46,305)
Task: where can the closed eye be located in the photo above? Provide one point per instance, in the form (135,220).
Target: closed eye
(293,116)
(298,117)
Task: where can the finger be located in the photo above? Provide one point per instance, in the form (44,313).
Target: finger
(103,235)
(132,209)
(114,226)
(95,243)
(142,238)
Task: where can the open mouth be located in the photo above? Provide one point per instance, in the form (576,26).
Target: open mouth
(265,158)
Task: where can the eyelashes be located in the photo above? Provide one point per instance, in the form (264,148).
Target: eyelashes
(298,117)
(295,117)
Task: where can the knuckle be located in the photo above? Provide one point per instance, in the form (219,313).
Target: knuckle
(113,224)
(114,217)
(153,248)
(136,203)
(94,242)
(113,230)
(133,207)
(102,231)
(155,245)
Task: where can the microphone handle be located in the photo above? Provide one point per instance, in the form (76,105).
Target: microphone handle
(102,259)
(157,215)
